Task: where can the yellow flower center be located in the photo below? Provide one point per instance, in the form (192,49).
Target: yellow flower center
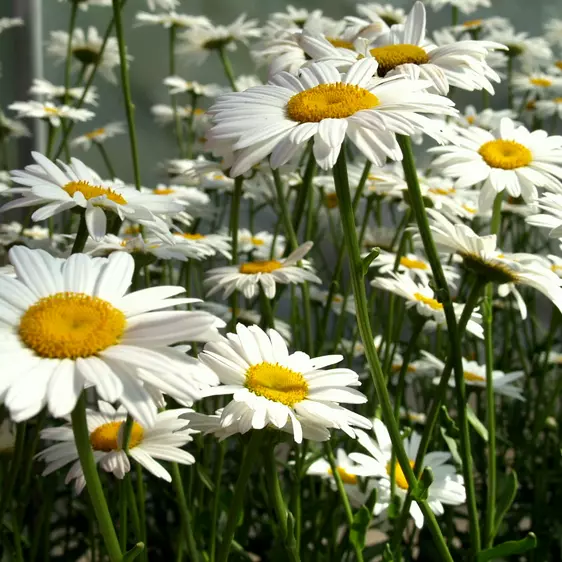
(266,266)
(51,110)
(530,105)
(256,241)
(557,100)
(329,101)
(400,479)
(396,367)
(276,383)
(71,325)
(391,56)
(472,23)
(558,64)
(341,43)
(93,191)
(556,268)
(432,303)
(133,229)
(505,154)
(442,190)
(468,208)
(337,298)
(164,191)
(94,134)
(541,82)
(345,476)
(105,437)
(470,119)
(331,200)
(412,264)
(192,236)
(473,377)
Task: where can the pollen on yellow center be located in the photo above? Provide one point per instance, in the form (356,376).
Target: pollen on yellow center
(442,190)
(473,377)
(340,43)
(51,110)
(558,64)
(266,266)
(192,236)
(396,368)
(556,268)
(400,478)
(92,191)
(541,82)
(557,100)
(71,325)
(432,303)
(95,133)
(345,476)
(106,437)
(472,23)
(164,191)
(329,101)
(412,264)
(276,383)
(505,154)
(256,241)
(391,56)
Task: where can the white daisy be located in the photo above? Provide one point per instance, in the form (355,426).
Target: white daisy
(249,277)
(87,51)
(179,85)
(447,487)
(162,4)
(531,51)
(280,117)
(99,135)
(486,119)
(11,129)
(42,87)
(205,245)
(548,108)
(263,245)
(201,40)
(50,112)
(271,386)
(475,375)
(346,470)
(385,12)
(163,441)
(510,158)
(69,324)
(553,31)
(537,83)
(58,189)
(85,4)
(8,23)
(170,19)
(465,6)
(551,216)
(422,297)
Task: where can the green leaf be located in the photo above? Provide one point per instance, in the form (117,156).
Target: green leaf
(477,425)
(359,527)
(508,548)
(452,445)
(369,258)
(371,501)
(387,555)
(421,491)
(508,491)
(205,478)
(130,555)
(448,423)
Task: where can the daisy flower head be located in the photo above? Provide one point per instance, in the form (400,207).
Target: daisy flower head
(475,376)
(447,487)
(163,441)
(550,205)
(263,245)
(11,129)
(249,277)
(532,52)
(423,298)
(87,51)
(9,23)
(85,4)
(201,40)
(162,4)
(170,19)
(553,32)
(179,85)
(42,87)
(389,14)
(279,118)
(510,158)
(60,188)
(99,135)
(465,6)
(204,245)
(539,84)
(486,119)
(549,107)
(271,386)
(69,323)
(50,112)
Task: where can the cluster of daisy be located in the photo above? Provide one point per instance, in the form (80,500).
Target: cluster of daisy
(292,203)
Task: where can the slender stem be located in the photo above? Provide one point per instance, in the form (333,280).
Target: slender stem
(51,134)
(123,515)
(81,235)
(286,218)
(225,61)
(234,222)
(15,467)
(132,503)
(306,185)
(106,160)
(237,503)
(93,484)
(141,508)
(216,501)
(126,88)
(185,517)
(444,296)
(375,370)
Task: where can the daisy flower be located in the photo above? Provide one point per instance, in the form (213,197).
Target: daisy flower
(250,276)
(280,117)
(551,216)
(447,487)
(8,23)
(60,188)
(68,324)
(531,51)
(87,51)
(422,297)
(41,87)
(171,19)
(294,17)
(486,119)
(99,135)
(475,375)
(206,245)
(404,50)
(553,32)
(271,386)
(548,108)
(85,4)
(346,470)
(201,40)
(179,85)
(464,6)
(385,12)
(50,112)
(163,441)
(536,83)
(11,129)
(510,158)
(262,244)
(162,4)
(481,256)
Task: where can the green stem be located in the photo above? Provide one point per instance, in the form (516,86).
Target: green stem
(106,160)
(306,185)
(216,501)
(443,295)
(375,370)
(93,484)
(126,88)
(185,517)
(15,467)
(51,134)
(81,235)
(225,61)
(123,515)
(237,503)
(234,224)
(141,509)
